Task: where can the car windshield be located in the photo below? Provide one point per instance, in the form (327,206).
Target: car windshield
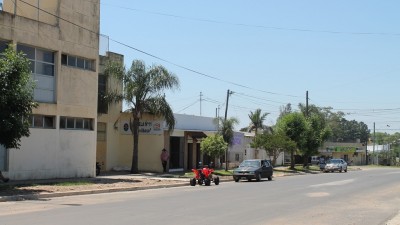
(250,163)
(334,161)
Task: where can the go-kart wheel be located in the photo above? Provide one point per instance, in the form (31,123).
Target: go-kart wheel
(200,181)
(216,180)
(207,182)
(193,182)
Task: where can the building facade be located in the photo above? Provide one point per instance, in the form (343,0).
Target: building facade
(63,49)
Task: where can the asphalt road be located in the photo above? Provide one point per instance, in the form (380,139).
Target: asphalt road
(357,197)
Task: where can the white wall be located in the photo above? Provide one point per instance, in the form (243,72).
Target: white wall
(51,153)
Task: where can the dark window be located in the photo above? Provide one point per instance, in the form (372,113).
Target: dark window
(3,45)
(80,63)
(79,123)
(76,123)
(102,105)
(71,61)
(44,56)
(48,121)
(64,59)
(29,51)
(71,123)
(41,121)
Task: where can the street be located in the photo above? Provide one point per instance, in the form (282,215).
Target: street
(367,197)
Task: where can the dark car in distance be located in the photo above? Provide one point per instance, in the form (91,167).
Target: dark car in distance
(253,169)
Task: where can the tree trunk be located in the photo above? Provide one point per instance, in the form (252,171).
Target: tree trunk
(135,155)
(292,160)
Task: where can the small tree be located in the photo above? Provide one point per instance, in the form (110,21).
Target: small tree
(274,144)
(294,126)
(214,146)
(226,130)
(16,98)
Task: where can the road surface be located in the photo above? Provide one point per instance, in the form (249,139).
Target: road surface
(367,197)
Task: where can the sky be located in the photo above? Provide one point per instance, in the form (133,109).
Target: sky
(346,54)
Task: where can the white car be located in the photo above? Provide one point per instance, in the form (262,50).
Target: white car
(335,165)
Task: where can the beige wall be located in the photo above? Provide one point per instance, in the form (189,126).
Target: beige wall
(50,153)
(120,147)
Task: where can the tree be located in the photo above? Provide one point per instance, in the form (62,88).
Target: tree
(257,120)
(214,146)
(294,126)
(317,131)
(143,90)
(16,97)
(226,130)
(274,144)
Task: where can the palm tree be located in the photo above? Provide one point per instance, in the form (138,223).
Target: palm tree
(142,90)
(257,120)
(226,130)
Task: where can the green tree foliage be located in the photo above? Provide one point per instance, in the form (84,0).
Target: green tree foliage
(214,146)
(226,128)
(257,120)
(274,144)
(16,97)
(143,90)
(294,126)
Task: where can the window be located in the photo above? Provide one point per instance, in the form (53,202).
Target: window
(101,131)
(42,65)
(237,159)
(102,105)
(75,123)
(77,62)
(3,45)
(42,121)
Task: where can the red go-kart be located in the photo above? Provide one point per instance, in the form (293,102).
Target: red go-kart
(204,176)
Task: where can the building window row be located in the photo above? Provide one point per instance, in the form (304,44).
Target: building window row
(74,61)
(42,121)
(76,123)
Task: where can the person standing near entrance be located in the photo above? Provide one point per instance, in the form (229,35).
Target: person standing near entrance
(164,159)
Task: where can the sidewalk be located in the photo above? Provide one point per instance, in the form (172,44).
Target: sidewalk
(107,183)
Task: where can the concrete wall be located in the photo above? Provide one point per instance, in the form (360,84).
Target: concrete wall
(50,153)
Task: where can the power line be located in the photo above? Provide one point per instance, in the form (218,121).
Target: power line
(159,58)
(258,26)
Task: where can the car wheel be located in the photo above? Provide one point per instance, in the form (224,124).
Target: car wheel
(207,182)
(248,179)
(345,170)
(270,178)
(258,177)
(236,179)
(340,170)
(216,180)
(193,182)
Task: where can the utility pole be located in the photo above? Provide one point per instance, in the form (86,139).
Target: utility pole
(15,7)
(373,148)
(306,103)
(225,118)
(201,95)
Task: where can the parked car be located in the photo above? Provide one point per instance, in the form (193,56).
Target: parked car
(253,169)
(335,165)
